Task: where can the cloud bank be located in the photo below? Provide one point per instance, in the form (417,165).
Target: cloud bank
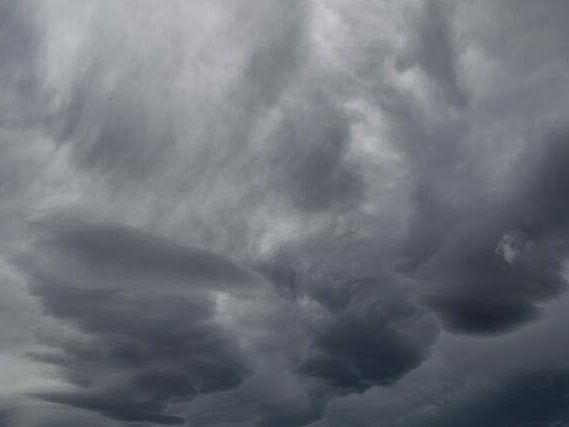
(267,213)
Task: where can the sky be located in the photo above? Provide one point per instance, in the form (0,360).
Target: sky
(268,213)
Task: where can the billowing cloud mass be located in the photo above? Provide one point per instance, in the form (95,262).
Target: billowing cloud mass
(277,214)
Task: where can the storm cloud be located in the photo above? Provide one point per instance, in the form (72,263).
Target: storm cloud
(267,213)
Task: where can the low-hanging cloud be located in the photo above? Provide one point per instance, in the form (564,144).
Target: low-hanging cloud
(270,214)
(147,319)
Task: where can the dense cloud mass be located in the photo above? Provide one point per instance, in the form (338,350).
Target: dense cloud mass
(278,214)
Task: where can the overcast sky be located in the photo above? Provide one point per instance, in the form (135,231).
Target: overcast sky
(271,213)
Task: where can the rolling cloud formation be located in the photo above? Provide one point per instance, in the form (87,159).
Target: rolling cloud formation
(277,214)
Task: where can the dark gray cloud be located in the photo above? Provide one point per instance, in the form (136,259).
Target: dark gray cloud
(484,292)
(21,102)
(532,398)
(20,411)
(493,272)
(375,335)
(152,338)
(143,347)
(459,227)
(114,407)
(109,249)
(268,214)
(365,331)
(310,157)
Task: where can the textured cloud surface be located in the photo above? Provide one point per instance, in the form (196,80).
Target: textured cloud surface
(266,213)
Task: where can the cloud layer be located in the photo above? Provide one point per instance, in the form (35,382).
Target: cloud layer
(270,214)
